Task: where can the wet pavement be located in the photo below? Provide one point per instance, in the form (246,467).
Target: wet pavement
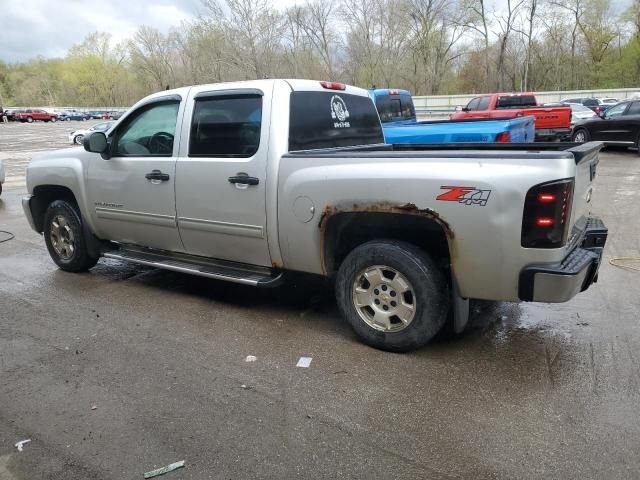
(530,391)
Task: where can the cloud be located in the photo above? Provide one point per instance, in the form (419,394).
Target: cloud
(32,28)
(48,28)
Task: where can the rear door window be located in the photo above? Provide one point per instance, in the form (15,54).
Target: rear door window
(226,126)
(332,119)
(634,109)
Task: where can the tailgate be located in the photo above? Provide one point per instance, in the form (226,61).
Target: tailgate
(556,117)
(586,156)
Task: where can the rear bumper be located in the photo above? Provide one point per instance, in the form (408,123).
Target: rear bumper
(560,282)
(543,134)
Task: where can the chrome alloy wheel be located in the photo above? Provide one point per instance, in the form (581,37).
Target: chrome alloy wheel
(580,137)
(62,238)
(384,298)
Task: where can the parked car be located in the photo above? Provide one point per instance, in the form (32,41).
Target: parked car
(33,114)
(77,136)
(552,123)
(619,125)
(272,176)
(99,115)
(115,115)
(10,113)
(593,103)
(74,115)
(579,113)
(400,125)
(610,101)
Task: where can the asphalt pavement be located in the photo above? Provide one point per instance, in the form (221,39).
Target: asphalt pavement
(123,369)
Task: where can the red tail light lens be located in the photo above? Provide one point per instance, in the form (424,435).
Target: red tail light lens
(547,209)
(547,197)
(393,91)
(544,222)
(503,137)
(333,85)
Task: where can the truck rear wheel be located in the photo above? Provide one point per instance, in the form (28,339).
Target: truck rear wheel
(394,295)
(65,239)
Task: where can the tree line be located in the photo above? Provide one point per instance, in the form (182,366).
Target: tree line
(429,47)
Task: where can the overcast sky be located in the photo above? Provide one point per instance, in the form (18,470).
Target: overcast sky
(29,28)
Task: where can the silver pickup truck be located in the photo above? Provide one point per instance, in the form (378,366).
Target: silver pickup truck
(245,181)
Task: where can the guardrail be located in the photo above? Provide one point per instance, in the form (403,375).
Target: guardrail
(450,102)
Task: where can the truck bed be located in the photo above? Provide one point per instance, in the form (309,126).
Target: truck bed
(579,151)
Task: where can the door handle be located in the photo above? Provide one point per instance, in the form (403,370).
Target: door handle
(244,179)
(157,175)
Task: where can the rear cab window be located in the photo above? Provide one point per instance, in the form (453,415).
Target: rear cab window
(332,119)
(393,108)
(516,101)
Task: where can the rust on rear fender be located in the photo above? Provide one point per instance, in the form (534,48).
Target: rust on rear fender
(380,207)
(384,207)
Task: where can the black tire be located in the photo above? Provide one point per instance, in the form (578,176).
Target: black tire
(78,139)
(430,293)
(80,260)
(584,131)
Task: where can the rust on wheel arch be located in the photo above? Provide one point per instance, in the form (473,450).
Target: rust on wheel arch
(380,207)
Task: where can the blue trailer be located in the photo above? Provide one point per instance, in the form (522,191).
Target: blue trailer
(400,125)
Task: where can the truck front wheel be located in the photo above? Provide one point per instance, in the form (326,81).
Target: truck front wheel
(394,295)
(65,238)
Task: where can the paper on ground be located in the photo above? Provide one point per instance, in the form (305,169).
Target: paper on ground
(21,443)
(304,362)
(163,470)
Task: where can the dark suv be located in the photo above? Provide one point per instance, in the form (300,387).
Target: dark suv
(591,102)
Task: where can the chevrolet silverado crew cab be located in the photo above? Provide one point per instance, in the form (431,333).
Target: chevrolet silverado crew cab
(246,181)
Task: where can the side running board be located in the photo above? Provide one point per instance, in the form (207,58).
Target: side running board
(204,267)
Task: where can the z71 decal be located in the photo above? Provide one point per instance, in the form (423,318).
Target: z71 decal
(466,195)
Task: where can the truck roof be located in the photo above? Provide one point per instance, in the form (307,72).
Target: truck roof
(294,84)
(382,92)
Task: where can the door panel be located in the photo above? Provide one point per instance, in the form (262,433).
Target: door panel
(221,176)
(612,127)
(132,193)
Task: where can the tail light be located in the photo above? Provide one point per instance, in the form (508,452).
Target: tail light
(547,208)
(333,85)
(393,91)
(598,110)
(503,137)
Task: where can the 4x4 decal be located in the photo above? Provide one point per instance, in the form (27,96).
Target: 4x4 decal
(466,195)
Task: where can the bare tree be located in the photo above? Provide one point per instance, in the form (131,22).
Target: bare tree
(475,18)
(506,23)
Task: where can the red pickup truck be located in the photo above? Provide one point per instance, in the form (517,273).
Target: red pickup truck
(31,114)
(552,123)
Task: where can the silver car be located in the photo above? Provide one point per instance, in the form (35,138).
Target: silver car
(579,113)
(77,136)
